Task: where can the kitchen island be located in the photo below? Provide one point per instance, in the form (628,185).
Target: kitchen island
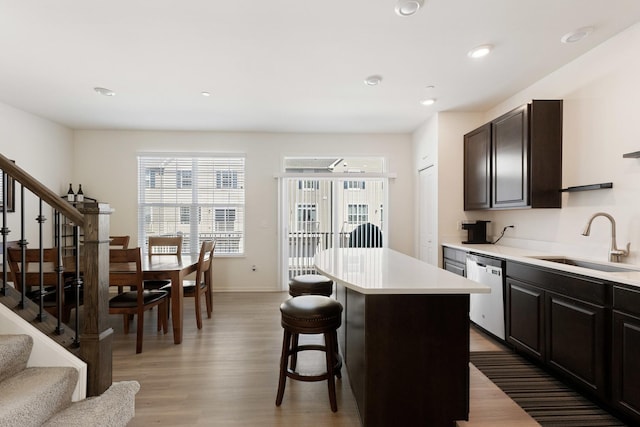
(405,336)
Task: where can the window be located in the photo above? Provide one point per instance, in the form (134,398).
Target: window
(357,214)
(306,217)
(183,179)
(226,179)
(225,219)
(308,184)
(354,185)
(200,197)
(307,213)
(151,175)
(185,214)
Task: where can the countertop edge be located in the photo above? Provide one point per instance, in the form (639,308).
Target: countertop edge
(526,256)
(464,286)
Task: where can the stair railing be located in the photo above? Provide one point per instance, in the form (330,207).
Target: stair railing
(91,271)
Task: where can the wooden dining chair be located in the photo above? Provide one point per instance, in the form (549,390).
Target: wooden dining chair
(125,269)
(163,246)
(31,280)
(119,242)
(201,287)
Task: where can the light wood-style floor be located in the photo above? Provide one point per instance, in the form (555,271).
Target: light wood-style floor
(227,374)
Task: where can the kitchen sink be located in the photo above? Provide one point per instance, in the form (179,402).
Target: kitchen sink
(588,264)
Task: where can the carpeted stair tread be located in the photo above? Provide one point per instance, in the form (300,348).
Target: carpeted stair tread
(549,401)
(113,408)
(35,394)
(14,354)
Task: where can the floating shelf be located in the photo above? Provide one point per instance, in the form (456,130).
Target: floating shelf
(635,155)
(588,187)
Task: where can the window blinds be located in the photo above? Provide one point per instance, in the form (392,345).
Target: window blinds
(200,197)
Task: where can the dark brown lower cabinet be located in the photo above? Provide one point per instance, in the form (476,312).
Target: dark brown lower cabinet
(407,357)
(575,341)
(525,317)
(625,364)
(559,319)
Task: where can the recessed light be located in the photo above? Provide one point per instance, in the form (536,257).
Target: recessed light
(480,51)
(104,91)
(428,101)
(577,35)
(373,80)
(408,7)
(205,94)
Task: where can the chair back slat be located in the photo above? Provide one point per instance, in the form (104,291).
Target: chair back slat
(165,246)
(31,266)
(205,258)
(125,269)
(119,242)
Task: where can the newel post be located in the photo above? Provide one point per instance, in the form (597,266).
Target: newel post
(96,336)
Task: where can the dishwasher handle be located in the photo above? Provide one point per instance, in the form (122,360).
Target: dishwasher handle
(496,271)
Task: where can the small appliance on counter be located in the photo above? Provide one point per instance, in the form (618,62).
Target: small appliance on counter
(476,231)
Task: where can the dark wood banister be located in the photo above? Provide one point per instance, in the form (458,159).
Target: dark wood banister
(93,218)
(53,199)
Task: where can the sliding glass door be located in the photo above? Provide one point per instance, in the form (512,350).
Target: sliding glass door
(321,212)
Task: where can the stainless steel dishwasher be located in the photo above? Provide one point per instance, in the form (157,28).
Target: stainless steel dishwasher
(487,310)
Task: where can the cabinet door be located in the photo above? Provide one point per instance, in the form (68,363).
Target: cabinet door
(575,340)
(626,364)
(455,267)
(454,260)
(525,317)
(477,168)
(510,151)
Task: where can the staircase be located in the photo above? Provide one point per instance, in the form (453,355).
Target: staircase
(42,382)
(42,396)
(92,336)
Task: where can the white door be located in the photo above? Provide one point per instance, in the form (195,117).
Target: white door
(428,217)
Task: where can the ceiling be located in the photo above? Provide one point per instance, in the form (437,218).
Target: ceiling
(282,65)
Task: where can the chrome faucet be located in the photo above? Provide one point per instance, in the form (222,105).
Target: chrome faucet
(614,252)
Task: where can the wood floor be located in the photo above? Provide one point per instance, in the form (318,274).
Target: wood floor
(227,374)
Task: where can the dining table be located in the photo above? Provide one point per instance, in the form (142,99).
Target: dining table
(159,268)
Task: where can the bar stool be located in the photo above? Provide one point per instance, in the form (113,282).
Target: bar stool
(311,314)
(310,284)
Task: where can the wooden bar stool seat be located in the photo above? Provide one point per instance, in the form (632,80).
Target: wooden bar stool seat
(310,284)
(311,314)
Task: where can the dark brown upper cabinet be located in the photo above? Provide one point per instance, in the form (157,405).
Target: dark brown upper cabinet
(477,168)
(515,161)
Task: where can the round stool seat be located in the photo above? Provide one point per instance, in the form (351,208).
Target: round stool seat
(310,284)
(311,314)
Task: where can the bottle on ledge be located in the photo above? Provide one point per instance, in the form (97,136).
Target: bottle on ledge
(70,195)
(80,194)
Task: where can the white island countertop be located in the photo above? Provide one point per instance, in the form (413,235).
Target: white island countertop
(385,271)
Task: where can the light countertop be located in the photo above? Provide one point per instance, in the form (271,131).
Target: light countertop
(385,271)
(532,257)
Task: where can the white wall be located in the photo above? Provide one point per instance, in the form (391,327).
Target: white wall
(600,92)
(439,141)
(44,149)
(105,164)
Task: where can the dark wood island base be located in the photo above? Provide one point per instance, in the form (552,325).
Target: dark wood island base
(407,357)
